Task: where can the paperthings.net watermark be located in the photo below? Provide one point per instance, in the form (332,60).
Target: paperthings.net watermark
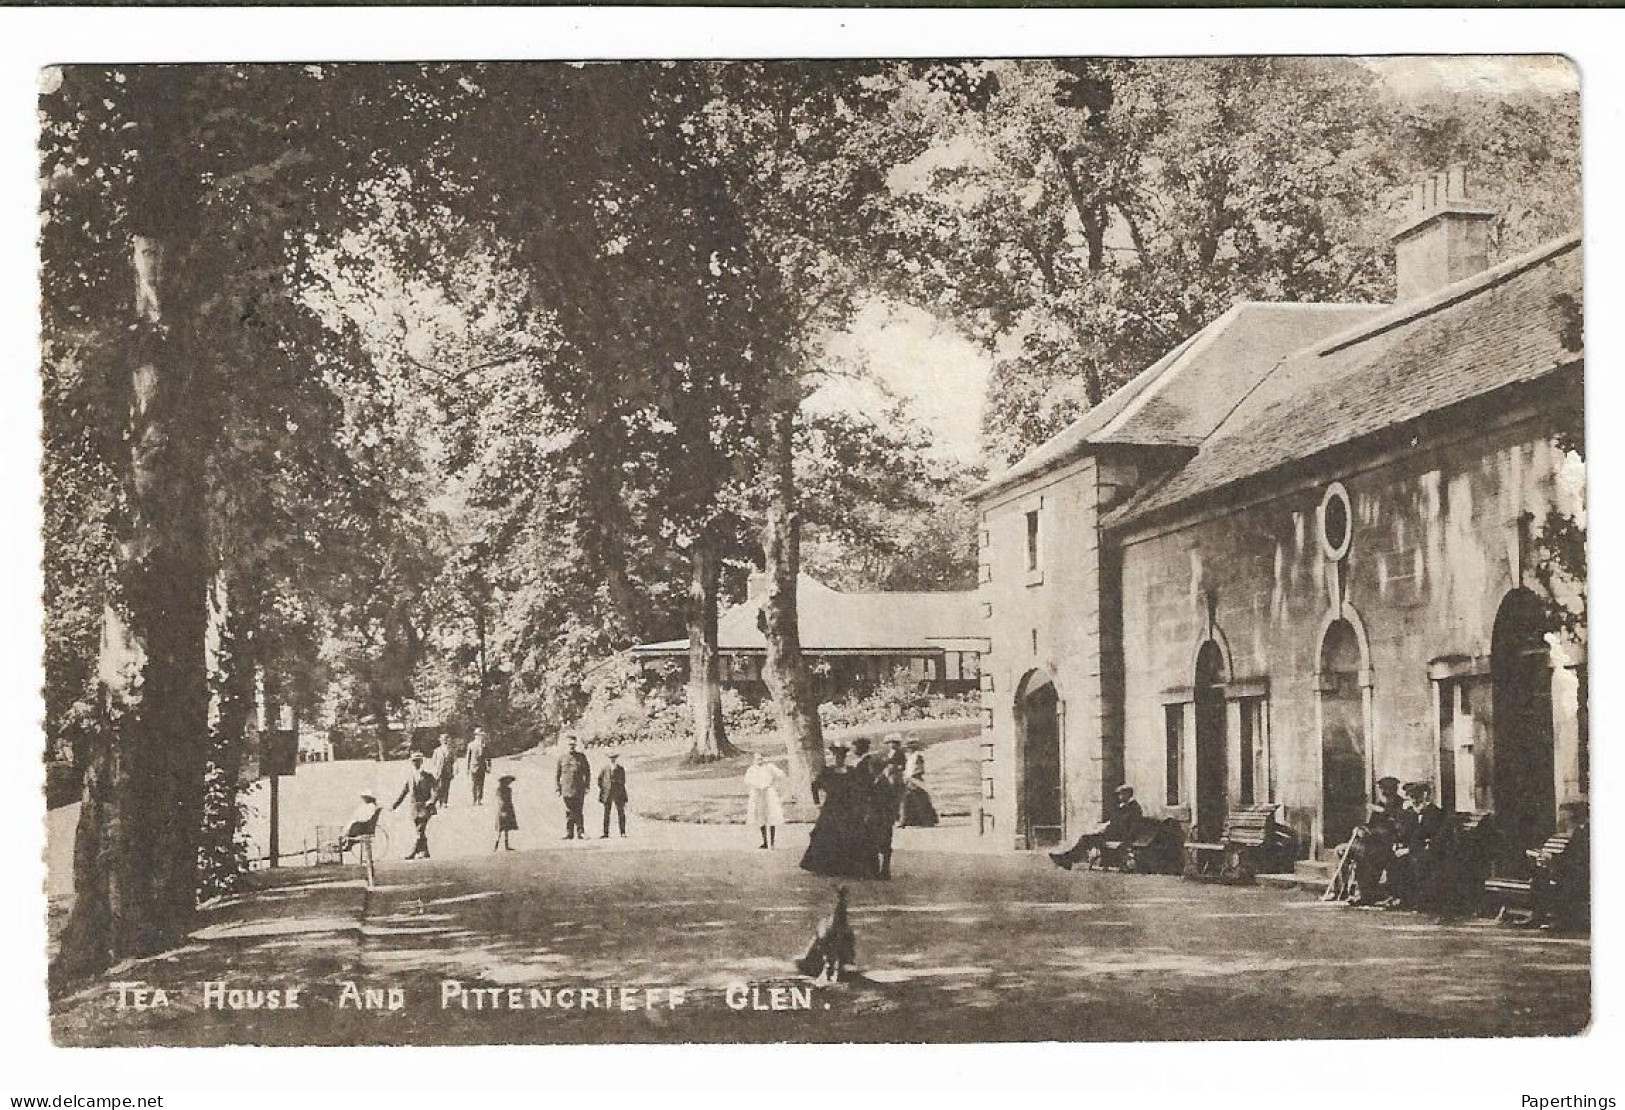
(1569,1102)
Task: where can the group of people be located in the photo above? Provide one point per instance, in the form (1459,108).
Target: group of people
(861,804)
(573,778)
(429,791)
(1404,855)
(441,765)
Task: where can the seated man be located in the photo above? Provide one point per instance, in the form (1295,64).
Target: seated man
(1572,871)
(1373,852)
(1413,873)
(363,822)
(1366,861)
(1118,828)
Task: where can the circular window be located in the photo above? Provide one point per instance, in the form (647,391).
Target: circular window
(1336,517)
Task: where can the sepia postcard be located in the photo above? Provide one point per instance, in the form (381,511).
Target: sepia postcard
(952,550)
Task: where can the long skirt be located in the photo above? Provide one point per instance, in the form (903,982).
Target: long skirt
(839,844)
(917,809)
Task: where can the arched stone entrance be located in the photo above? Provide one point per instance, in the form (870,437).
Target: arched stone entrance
(1041,814)
(1523,784)
(1212,744)
(1344,775)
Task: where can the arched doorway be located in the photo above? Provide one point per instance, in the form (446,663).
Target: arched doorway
(1343,776)
(1523,787)
(1038,721)
(1212,764)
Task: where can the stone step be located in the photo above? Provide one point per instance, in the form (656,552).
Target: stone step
(1293,881)
(1315,868)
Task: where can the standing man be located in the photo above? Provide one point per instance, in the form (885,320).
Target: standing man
(479,765)
(420,787)
(444,765)
(612,792)
(574,776)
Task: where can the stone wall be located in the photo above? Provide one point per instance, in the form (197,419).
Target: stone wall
(1043,624)
(1058,622)
(1435,546)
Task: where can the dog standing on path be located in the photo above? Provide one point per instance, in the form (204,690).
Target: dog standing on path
(834,947)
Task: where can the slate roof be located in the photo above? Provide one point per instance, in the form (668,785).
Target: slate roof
(1179,400)
(835,621)
(1499,328)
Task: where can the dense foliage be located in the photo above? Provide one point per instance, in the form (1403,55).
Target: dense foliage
(395,399)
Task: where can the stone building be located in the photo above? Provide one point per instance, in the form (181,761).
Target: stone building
(1296,555)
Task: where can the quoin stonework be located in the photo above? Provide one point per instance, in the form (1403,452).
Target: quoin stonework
(1297,555)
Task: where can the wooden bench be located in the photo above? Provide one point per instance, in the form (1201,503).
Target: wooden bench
(1555,887)
(1152,846)
(1252,842)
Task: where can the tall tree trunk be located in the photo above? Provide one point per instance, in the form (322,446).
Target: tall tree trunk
(704,664)
(234,616)
(785,670)
(380,713)
(135,857)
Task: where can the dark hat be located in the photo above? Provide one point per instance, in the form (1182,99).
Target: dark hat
(1389,781)
(614,755)
(861,744)
(837,746)
(505,778)
(1125,789)
(369,795)
(417,757)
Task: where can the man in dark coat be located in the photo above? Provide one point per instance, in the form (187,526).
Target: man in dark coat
(1375,876)
(1118,827)
(574,777)
(1413,874)
(443,764)
(420,787)
(885,797)
(612,792)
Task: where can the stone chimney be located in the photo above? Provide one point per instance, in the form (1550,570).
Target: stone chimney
(1446,238)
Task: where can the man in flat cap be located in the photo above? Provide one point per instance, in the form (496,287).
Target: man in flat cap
(574,776)
(420,787)
(612,792)
(1117,827)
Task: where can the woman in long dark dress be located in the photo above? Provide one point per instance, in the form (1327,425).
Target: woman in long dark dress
(839,844)
(917,809)
(507,819)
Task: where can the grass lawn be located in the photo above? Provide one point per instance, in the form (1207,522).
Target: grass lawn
(663,785)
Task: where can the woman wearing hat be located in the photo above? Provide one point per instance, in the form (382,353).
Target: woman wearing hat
(839,844)
(507,819)
(917,810)
(363,822)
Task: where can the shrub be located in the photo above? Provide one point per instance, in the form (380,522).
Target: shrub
(897,697)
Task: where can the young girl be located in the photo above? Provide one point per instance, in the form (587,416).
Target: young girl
(507,820)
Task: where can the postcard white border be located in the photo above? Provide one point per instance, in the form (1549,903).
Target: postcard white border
(1304,1074)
